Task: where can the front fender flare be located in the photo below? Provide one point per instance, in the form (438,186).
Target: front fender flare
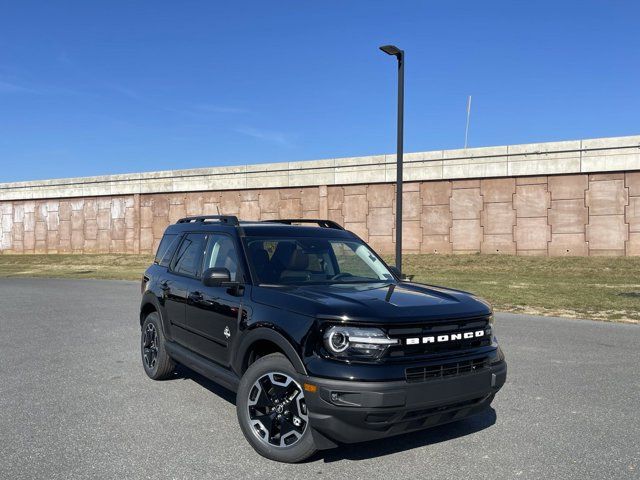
(273,336)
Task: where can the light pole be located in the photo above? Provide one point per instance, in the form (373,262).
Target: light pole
(399,54)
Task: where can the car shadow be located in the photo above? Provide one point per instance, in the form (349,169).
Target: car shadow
(374,448)
(409,441)
(187,374)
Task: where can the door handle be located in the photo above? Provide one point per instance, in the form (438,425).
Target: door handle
(196,296)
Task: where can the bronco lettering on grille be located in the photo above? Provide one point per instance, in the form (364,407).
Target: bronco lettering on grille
(452,337)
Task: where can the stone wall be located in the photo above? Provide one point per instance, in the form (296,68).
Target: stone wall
(578,214)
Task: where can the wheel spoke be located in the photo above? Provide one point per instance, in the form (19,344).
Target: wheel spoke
(269,389)
(292,392)
(286,427)
(263,400)
(274,431)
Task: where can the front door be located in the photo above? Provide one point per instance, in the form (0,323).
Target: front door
(214,312)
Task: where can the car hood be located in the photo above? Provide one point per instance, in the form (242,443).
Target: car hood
(386,303)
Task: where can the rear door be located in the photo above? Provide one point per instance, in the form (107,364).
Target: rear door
(172,296)
(184,271)
(213,313)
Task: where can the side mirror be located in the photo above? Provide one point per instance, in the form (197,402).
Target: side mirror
(399,275)
(216,277)
(395,271)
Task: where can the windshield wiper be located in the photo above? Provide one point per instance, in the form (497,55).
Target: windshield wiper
(362,281)
(325,282)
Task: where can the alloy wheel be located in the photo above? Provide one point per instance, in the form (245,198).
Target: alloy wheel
(277,410)
(150,345)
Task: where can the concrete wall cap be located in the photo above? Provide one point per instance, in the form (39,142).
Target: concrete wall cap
(548,158)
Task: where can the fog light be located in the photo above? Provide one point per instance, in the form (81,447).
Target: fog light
(347,399)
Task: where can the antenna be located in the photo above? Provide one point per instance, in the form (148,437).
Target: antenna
(466,130)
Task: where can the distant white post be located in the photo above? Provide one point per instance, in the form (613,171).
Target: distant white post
(466,130)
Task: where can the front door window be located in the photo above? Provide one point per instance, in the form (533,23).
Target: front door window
(222,254)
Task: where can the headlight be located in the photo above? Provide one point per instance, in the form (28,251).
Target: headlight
(492,326)
(496,357)
(357,342)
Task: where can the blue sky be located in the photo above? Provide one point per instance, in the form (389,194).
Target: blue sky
(97,87)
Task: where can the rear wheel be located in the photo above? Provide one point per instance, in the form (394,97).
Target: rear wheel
(155,360)
(272,410)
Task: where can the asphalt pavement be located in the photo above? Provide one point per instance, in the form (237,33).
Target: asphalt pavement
(75,403)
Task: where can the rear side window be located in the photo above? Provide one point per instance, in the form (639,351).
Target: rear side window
(189,257)
(166,249)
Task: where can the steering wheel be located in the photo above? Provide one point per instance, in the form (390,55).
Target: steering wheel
(341,275)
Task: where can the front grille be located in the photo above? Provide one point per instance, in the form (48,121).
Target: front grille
(442,370)
(421,334)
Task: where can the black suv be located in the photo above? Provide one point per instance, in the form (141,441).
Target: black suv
(321,340)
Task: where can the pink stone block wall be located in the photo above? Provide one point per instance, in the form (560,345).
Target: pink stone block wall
(596,214)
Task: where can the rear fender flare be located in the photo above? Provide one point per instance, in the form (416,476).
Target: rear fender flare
(149,298)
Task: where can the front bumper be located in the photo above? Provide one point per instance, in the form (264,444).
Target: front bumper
(349,412)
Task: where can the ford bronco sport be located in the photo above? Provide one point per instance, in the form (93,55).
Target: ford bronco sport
(322,342)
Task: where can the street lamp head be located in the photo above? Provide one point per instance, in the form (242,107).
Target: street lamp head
(391,50)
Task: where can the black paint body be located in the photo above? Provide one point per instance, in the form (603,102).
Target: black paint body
(373,399)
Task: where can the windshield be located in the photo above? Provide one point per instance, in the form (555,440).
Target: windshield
(302,261)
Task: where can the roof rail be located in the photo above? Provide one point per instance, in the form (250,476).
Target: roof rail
(319,222)
(227,219)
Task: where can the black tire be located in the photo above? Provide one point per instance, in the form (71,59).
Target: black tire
(157,364)
(303,445)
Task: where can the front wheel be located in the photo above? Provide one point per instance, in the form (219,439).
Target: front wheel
(272,410)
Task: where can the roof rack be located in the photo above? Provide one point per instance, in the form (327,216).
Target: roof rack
(227,219)
(319,222)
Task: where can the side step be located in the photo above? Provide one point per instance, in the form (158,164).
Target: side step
(203,366)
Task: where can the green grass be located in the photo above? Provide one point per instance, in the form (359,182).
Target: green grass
(602,288)
(100,266)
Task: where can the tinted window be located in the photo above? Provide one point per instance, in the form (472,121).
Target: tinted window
(189,257)
(166,249)
(221,253)
(354,260)
(309,260)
